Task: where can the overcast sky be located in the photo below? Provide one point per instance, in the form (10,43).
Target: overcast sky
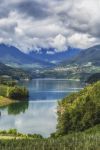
(36,24)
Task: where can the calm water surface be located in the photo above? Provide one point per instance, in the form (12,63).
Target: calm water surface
(38,115)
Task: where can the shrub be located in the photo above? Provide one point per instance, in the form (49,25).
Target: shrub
(14,92)
(18,93)
(12,132)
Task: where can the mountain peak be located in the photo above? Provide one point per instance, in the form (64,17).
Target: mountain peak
(45,57)
(51,55)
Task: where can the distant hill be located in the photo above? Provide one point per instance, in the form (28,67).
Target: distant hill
(91,54)
(12,56)
(50,55)
(9,54)
(15,73)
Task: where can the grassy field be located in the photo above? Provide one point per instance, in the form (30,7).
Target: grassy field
(88,140)
(71,142)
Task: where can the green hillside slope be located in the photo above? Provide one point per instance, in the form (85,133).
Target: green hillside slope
(79,111)
(15,73)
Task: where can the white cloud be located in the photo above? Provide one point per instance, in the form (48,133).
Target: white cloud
(60,43)
(35,24)
(81,40)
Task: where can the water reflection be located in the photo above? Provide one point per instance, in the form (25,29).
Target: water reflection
(38,115)
(17,108)
(39,118)
(51,89)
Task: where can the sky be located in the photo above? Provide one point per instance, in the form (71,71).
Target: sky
(35,24)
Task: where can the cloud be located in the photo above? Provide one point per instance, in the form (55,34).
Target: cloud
(81,40)
(34,9)
(35,24)
(60,43)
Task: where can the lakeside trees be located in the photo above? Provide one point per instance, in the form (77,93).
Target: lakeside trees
(79,111)
(14,92)
(17,93)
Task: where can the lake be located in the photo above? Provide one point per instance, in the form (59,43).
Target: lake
(38,115)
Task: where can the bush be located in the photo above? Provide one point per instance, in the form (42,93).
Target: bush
(12,132)
(37,136)
(18,93)
(14,92)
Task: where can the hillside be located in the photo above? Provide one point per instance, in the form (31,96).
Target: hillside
(14,57)
(91,54)
(79,111)
(15,73)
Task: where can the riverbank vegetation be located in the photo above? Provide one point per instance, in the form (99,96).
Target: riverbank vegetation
(14,92)
(11,92)
(79,111)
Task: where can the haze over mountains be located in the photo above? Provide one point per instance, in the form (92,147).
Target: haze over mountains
(48,57)
(45,58)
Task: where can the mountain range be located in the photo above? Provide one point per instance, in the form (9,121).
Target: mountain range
(50,55)
(12,56)
(85,56)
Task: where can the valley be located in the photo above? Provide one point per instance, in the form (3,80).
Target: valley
(45,91)
(50,75)
(72,63)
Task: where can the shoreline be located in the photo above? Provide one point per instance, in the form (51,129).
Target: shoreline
(5,101)
(56,79)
